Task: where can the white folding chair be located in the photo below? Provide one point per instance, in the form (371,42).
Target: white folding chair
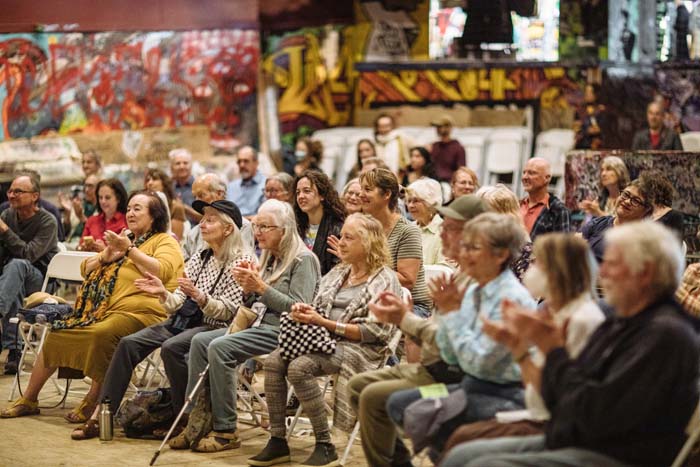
(690,141)
(435,270)
(248,395)
(552,145)
(65,266)
(504,156)
(693,431)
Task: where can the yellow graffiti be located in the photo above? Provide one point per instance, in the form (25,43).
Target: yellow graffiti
(306,85)
(554,73)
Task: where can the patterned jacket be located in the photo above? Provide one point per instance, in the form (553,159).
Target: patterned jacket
(367,354)
(554,218)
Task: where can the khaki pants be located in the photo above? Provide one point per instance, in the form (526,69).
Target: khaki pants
(368,395)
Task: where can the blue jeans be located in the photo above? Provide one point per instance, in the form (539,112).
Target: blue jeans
(522,451)
(484,399)
(224,353)
(19,278)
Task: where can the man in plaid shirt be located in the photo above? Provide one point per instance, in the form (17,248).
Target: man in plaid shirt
(542,212)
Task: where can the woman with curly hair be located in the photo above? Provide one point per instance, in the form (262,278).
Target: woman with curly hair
(320,215)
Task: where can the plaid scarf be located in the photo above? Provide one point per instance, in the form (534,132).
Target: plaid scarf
(94,293)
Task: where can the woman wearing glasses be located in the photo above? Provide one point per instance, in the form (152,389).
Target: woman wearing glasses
(280,186)
(290,274)
(633,204)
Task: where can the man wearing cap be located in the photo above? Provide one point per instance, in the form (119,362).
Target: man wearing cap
(370,391)
(207,286)
(447,154)
(210,187)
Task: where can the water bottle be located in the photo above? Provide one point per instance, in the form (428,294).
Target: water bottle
(106,421)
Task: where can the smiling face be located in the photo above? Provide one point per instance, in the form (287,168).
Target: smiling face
(479,260)
(631,205)
(213,229)
(351,247)
(308,198)
(365,150)
(138,217)
(352,198)
(108,200)
(419,210)
(21,194)
(535,175)
(384,125)
(181,168)
(373,200)
(89,164)
(266,231)
(463,184)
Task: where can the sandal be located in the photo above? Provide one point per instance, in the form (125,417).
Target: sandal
(91,429)
(180,441)
(217,441)
(82,413)
(21,408)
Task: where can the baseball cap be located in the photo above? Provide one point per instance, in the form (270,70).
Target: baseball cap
(463,208)
(442,121)
(222,205)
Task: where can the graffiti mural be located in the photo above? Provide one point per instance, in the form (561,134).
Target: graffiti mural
(314,84)
(557,90)
(77,82)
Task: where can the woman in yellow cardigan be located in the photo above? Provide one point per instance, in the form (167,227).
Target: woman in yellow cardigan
(109,306)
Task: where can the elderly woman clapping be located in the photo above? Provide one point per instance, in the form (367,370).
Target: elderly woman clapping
(423,197)
(109,304)
(290,274)
(350,341)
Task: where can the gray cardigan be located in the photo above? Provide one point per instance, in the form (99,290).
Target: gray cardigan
(297,284)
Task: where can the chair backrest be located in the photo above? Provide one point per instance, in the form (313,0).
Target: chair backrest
(434,270)
(553,145)
(691,141)
(693,432)
(65,265)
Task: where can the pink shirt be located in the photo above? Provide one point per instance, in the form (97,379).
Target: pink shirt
(531,213)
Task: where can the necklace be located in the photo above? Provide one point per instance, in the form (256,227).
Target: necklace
(356,279)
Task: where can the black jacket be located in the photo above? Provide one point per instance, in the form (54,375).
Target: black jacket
(669,141)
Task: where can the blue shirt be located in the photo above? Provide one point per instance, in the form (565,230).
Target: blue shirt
(184,192)
(247,194)
(461,340)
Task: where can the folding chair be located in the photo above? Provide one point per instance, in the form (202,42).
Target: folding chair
(693,431)
(435,270)
(65,266)
(251,395)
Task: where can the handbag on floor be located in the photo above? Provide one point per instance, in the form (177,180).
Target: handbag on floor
(145,412)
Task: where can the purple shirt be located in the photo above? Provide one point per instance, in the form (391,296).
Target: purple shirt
(447,157)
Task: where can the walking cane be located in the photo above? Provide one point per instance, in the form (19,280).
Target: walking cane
(185,406)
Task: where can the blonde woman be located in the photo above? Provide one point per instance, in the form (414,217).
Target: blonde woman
(564,276)
(501,199)
(290,274)
(342,308)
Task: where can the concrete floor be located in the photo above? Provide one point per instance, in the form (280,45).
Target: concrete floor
(44,440)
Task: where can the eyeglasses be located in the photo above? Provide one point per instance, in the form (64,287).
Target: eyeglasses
(18,192)
(269,193)
(356,194)
(262,228)
(635,201)
(471,247)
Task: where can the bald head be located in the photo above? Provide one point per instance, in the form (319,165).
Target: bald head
(209,187)
(536,176)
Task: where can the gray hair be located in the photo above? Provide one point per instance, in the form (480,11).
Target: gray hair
(232,246)
(248,148)
(213,182)
(286,180)
(501,231)
(291,244)
(180,152)
(645,243)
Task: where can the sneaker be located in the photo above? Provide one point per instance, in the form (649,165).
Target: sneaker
(12,362)
(324,455)
(217,441)
(276,452)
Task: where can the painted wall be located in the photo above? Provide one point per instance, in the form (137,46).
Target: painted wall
(90,82)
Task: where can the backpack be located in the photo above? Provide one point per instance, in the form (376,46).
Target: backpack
(146,411)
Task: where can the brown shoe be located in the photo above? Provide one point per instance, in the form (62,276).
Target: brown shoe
(217,441)
(180,441)
(21,408)
(91,429)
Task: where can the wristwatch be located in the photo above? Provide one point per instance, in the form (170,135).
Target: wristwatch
(128,250)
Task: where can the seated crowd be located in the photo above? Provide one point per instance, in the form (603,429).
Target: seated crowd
(524,343)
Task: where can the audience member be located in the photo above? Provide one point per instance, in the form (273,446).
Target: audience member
(289,274)
(423,197)
(620,402)
(181,173)
(320,215)
(247,191)
(340,307)
(373,163)
(91,163)
(492,381)
(564,276)
(390,144)
(633,205)
(308,153)
(370,391)
(464,182)
(77,209)
(351,198)
(27,244)
(365,150)
(542,212)
(661,201)
(614,177)
(158,181)
(657,137)
(111,215)
(206,285)
(589,119)
(109,305)
(502,200)
(280,186)
(420,166)
(447,153)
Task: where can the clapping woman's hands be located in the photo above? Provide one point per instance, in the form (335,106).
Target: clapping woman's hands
(247,275)
(151,284)
(304,313)
(446,293)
